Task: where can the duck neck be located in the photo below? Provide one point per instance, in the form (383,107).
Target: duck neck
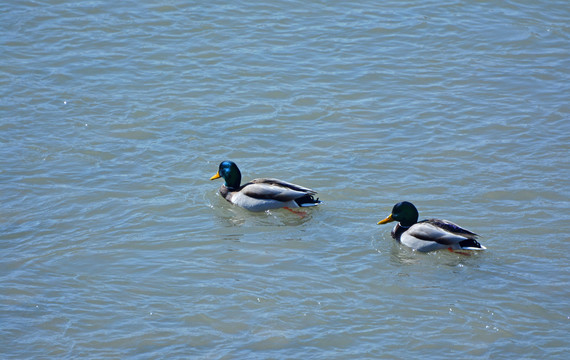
(407,224)
(398,231)
(233,180)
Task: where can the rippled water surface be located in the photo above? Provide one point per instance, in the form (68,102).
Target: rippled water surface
(115,244)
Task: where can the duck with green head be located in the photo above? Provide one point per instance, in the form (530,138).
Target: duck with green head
(430,234)
(263,193)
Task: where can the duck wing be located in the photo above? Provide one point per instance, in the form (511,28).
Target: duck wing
(441,233)
(284,184)
(274,189)
(452,227)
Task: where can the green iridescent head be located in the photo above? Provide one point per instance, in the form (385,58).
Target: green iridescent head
(231,174)
(403,212)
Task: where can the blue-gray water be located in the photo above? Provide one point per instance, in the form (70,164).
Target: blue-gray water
(115,244)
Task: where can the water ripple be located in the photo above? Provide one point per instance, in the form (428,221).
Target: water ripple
(116,244)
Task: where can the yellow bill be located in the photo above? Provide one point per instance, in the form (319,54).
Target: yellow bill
(387,220)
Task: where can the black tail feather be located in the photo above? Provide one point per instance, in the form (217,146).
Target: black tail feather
(470,243)
(307,200)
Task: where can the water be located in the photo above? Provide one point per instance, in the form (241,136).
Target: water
(116,245)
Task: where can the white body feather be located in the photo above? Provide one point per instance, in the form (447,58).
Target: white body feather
(442,239)
(266,194)
(254,204)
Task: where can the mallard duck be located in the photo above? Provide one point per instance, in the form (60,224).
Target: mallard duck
(262,194)
(431,234)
